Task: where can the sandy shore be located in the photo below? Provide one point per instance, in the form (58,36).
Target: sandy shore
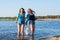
(52,38)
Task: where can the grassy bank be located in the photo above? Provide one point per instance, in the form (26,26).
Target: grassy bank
(7,18)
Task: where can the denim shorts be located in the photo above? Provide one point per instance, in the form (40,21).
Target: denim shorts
(31,22)
(21,22)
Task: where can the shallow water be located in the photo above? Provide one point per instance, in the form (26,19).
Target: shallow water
(43,29)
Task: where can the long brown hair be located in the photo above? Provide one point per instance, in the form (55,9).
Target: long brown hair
(23,10)
(31,10)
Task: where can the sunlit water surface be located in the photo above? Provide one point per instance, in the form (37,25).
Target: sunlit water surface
(43,29)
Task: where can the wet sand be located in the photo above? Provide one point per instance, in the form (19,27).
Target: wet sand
(51,38)
(32,38)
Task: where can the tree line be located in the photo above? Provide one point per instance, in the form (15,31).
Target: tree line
(38,17)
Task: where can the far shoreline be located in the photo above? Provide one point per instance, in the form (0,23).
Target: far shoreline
(37,20)
(48,19)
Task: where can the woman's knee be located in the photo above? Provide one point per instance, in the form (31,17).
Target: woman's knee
(19,27)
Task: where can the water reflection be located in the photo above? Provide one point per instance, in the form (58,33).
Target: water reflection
(21,37)
(32,37)
(28,37)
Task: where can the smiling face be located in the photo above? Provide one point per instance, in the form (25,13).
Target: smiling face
(21,11)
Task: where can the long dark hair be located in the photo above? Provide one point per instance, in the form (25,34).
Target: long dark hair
(23,10)
(32,11)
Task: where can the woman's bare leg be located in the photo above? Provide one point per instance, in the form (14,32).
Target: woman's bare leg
(22,29)
(32,28)
(19,29)
(19,37)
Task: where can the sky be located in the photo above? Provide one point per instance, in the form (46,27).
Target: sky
(10,8)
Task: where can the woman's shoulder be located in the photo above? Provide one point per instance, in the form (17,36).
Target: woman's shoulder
(32,14)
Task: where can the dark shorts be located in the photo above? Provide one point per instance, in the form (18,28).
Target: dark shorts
(31,22)
(21,22)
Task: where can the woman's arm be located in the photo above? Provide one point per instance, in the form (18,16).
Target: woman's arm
(27,18)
